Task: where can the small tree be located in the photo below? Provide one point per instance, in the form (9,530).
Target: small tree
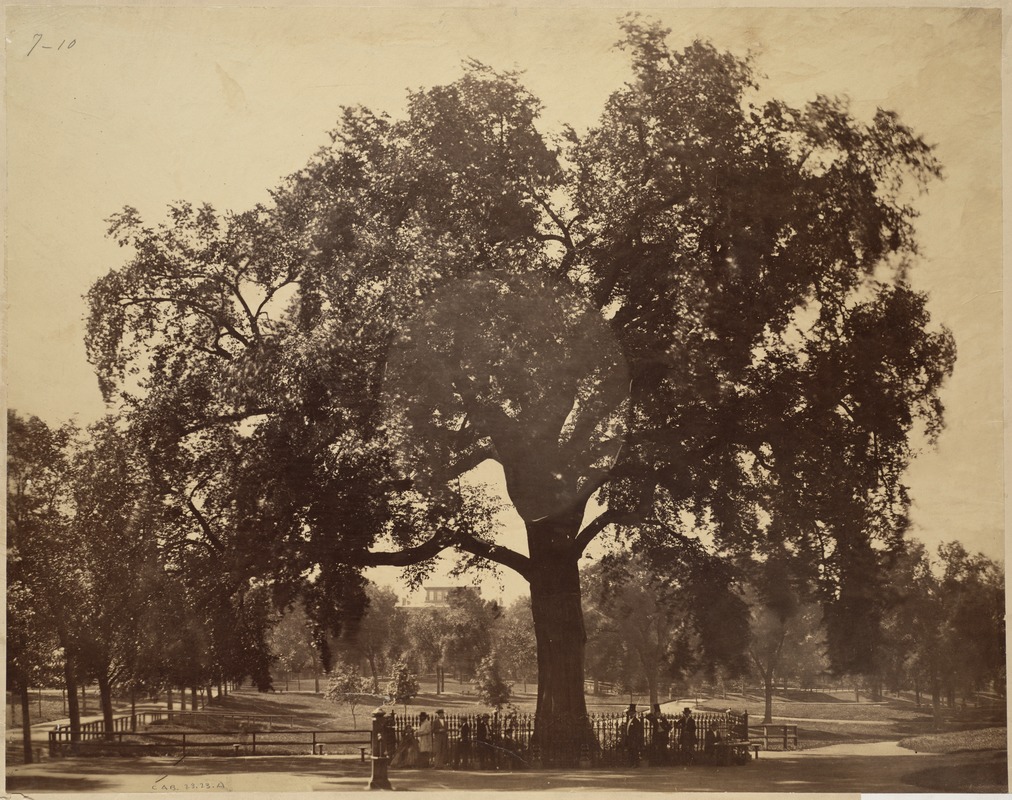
(515,647)
(403,685)
(348,687)
(492,690)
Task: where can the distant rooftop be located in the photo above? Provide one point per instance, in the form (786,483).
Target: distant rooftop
(439,596)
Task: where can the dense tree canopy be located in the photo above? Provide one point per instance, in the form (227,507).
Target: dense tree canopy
(696,312)
(946,623)
(658,615)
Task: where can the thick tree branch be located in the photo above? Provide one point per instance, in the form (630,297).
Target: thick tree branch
(493,552)
(289,279)
(444,540)
(471,460)
(409,555)
(593,528)
(205,526)
(250,316)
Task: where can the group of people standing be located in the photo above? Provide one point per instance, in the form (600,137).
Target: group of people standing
(429,745)
(480,742)
(426,747)
(654,740)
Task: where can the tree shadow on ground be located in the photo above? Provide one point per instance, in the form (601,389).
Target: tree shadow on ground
(56,783)
(802,696)
(284,705)
(949,722)
(986,772)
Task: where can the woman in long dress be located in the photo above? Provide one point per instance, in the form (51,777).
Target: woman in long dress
(406,754)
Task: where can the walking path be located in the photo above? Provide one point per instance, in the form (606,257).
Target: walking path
(880,767)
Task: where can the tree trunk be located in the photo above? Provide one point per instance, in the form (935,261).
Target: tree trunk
(768,691)
(133,709)
(26,725)
(168,698)
(371,658)
(84,699)
(105,699)
(655,697)
(73,710)
(562,726)
(193,698)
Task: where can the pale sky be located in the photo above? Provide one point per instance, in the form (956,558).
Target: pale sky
(154,105)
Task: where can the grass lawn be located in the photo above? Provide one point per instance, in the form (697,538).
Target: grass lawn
(958,741)
(823,718)
(53,706)
(821,722)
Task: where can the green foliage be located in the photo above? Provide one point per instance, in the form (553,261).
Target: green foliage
(651,618)
(459,635)
(348,687)
(698,311)
(514,645)
(41,580)
(489,685)
(380,632)
(403,683)
(946,622)
(291,641)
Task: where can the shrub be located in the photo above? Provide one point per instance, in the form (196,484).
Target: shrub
(489,685)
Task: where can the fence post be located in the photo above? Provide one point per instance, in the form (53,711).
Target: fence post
(785,737)
(254,743)
(380,759)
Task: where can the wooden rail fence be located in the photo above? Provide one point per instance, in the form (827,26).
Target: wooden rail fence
(234,742)
(785,735)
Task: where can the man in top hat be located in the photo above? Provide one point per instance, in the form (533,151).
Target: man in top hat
(660,734)
(633,735)
(483,742)
(687,741)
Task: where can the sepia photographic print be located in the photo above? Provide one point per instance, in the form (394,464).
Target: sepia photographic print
(491,399)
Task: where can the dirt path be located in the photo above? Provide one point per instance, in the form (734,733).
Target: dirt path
(867,768)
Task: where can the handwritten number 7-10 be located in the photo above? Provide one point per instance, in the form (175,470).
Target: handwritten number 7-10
(38,43)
